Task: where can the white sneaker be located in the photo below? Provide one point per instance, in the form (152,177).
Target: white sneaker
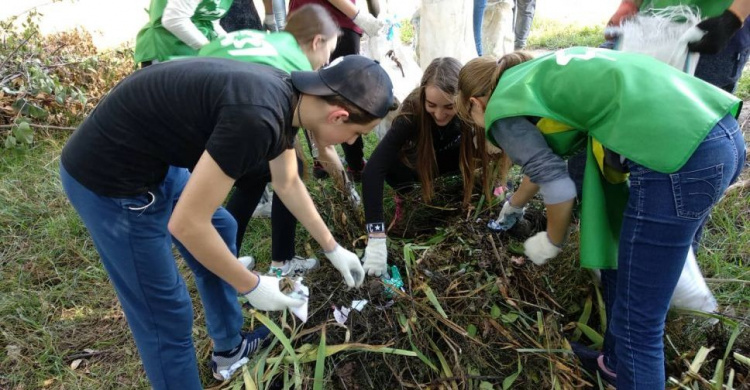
(297,266)
(263,210)
(247,261)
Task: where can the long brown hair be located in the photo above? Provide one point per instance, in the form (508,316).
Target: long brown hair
(479,78)
(309,21)
(443,74)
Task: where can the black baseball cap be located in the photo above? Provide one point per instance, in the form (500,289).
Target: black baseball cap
(356,78)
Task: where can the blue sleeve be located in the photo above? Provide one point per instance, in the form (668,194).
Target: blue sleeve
(525,145)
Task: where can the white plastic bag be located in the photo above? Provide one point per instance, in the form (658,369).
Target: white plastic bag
(399,62)
(663,34)
(497,28)
(691,291)
(445,30)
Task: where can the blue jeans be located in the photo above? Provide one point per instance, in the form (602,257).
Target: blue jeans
(478,19)
(132,239)
(524,17)
(663,215)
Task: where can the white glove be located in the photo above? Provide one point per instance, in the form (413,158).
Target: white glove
(369,23)
(354,197)
(266,296)
(508,217)
(348,264)
(540,249)
(376,256)
(269,23)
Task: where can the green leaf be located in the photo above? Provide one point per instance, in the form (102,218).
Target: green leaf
(24,133)
(495,312)
(285,342)
(509,318)
(433,299)
(516,248)
(584,318)
(320,363)
(472,330)
(247,379)
(591,334)
(508,382)
(10,141)
(37,112)
(486,386)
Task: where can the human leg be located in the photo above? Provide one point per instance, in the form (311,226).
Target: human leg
(663,214)
(524,17)
(477,20)
(132,239)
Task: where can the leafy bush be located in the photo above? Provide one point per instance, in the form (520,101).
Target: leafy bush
(51,81)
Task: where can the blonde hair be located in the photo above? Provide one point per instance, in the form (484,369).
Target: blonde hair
(479,78)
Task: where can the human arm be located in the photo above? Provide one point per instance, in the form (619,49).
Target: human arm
(386,153)
(373,179)
(626,9)
(546,172)
(292,191)
(176,19)
(365,20)
(190,224)
(331,162)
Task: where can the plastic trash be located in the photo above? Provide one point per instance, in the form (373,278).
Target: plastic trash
(691,291)
(392,282)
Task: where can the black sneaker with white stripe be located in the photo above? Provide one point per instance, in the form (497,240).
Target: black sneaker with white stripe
(224,364)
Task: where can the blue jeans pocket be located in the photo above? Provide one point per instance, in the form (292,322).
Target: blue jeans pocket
(695,192)
(137,203)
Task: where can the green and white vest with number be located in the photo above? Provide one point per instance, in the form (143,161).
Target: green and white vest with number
(279,50)
(631,104)
(154,42)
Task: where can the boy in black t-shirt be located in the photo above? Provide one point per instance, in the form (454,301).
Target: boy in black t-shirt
(125,170)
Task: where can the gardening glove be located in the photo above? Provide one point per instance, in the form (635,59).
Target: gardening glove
(376,256)
(718,31)
(266,295)
(627,10)
(369,23)
(354,197)
(348,264)
(540,249)
(508,217)
(269,23)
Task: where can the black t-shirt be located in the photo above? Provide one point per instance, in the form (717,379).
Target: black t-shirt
(402,137)
(169,113)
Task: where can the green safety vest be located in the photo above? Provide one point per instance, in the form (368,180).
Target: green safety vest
(279,50)
(154,42)
(708,8)
(631,104)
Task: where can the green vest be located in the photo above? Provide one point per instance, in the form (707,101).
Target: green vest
(708,8)
(635,105)
(154,42)
(279,50)
(629,103)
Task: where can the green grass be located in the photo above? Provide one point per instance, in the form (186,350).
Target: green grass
(547,34)
(743,86)
(56,300)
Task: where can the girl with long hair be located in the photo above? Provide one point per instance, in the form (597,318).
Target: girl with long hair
(426,140)
(678,159)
